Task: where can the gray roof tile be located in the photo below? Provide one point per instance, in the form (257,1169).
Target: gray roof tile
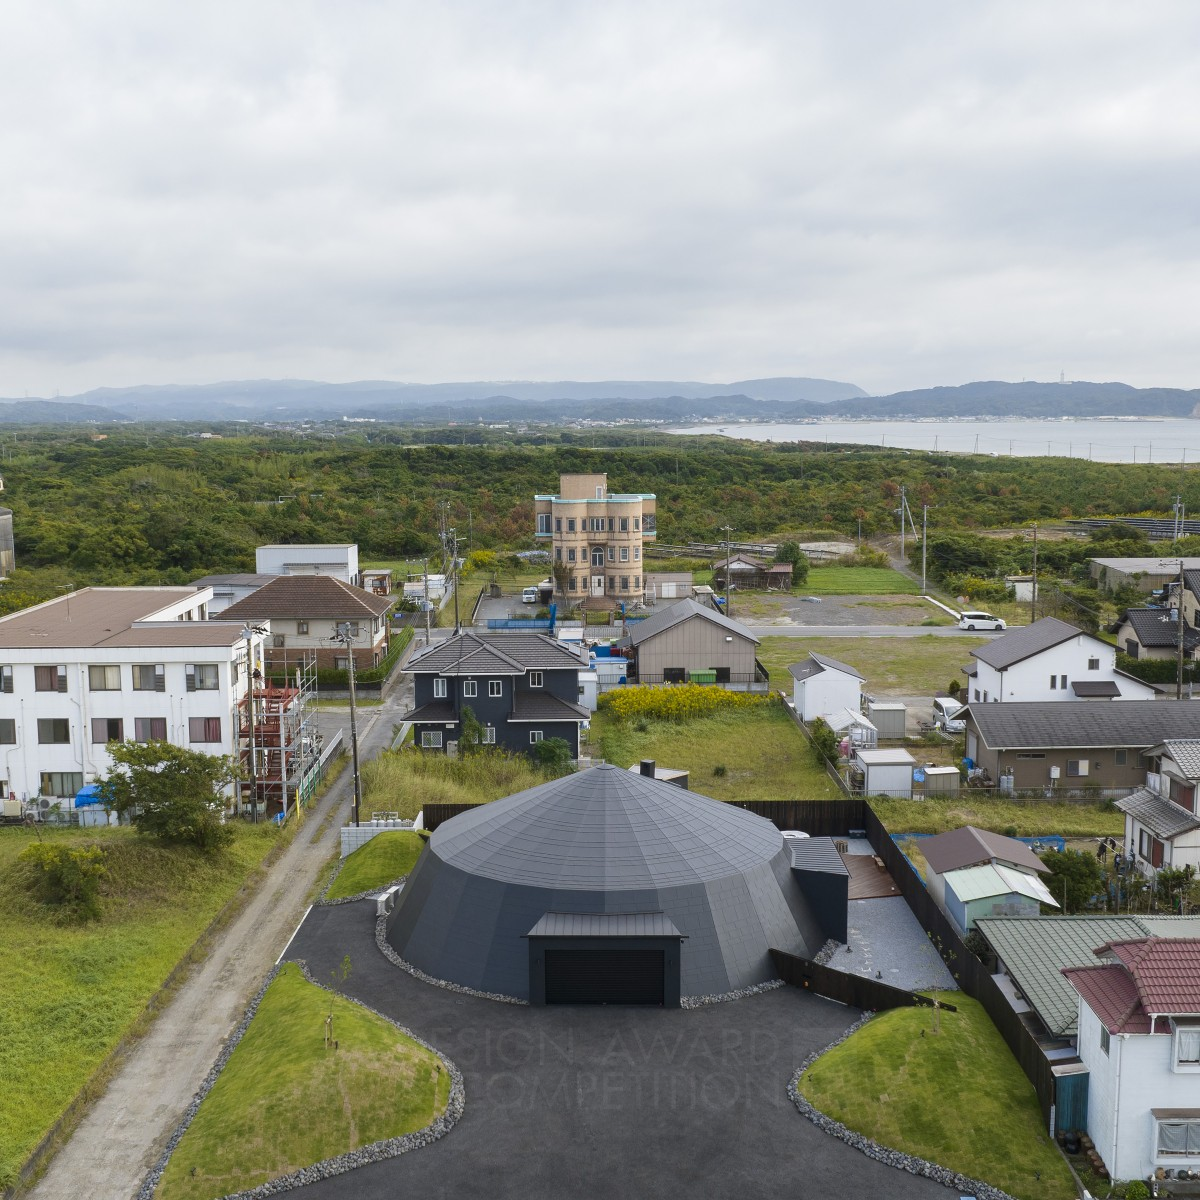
(534,706)
(1081,724)
(968,846)
(1158,627)
(474,653)
(1164,818)
(1185,753)
(682,611)
(1020,644)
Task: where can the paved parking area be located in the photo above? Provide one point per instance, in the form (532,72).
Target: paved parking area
(608,1103)
(888,943)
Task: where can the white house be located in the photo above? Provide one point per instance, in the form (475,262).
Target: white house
(114,664)
(1162,828)
(340,561)
(823,686)
(1050,660)
(1139,1037)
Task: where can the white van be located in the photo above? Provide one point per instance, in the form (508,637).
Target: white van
(979,620)
(529,596)
(946,716)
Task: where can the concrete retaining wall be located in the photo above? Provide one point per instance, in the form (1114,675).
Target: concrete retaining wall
(354,836)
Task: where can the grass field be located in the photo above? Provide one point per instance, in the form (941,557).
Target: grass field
(385,857)
(284,1101)
(68,995)
(955,1096)
(1030,819)
(764,755)
(918,666)
(857,581)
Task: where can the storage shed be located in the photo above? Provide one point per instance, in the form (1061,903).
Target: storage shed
(884,772)
(888,716)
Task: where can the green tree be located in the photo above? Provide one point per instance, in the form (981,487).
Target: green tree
(824,743)
(471,737)
(554,754)
(67,877)
(1075,877)
(172,793)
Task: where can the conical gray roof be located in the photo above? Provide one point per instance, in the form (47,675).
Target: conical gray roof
(609,830)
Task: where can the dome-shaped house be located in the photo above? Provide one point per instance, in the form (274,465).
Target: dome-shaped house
(603,887)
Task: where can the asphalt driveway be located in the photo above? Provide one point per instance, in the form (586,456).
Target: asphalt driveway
(605,1103)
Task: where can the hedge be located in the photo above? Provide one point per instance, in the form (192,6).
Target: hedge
(1157,670)
(328,677)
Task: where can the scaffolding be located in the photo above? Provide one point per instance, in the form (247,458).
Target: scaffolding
(280,751)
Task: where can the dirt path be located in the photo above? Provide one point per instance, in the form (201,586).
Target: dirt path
(125,1130)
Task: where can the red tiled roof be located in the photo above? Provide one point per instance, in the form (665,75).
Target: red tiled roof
(1111,994)
(1166,971)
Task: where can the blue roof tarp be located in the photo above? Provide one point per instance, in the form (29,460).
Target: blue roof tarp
(87,795)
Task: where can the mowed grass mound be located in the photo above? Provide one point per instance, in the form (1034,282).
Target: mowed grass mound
(857,581)
(385,857)
(1035,818)
(742,754)
(909,666)
(404,781)
(68,994)
(284,1101)
(955,1096)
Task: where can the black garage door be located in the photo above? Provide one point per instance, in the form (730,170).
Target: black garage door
(604,975)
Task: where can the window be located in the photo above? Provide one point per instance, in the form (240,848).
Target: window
(61,783)
(571,554)
(1187,1046)
(1053,682)
(439,688)
(1132,647)
(637,523)
(543,522)
(107,729)
(431,739)
(985,695)
(597,524)
(341,662)
(558,554)
(624,583)
(301,627)
(598,556)
(5,679)
(1062,682)
(104,679)
(54,731)
(571,582)
(624,524)
(150,729)
(599,492)
(1179,1135)
(495,687)
(1093,664)
(535,735)
(148,679)
(1120,757)
(1032,754)
(1105,1039)
(49,679)
(612,554)
(637,553)
(204,729)
(8,732)
(976,693)
(202,677)
(489,735)
(570,524)
(612,583)
(470,689)
(558,524)
(637,582)
(1077,768)
(1150,848)
(535,679)
(624,553)
(612,524)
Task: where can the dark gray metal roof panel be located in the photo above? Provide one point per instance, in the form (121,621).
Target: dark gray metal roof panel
(1077,724)
(836,664)
(817,854)
(496,653)
(1092,688)
(530,706)
(1020,644)
(604,925)
(685,610)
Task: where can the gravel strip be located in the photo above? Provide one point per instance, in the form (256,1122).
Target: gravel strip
(367,895)
(375,1152)
(725,997)
(892,1158)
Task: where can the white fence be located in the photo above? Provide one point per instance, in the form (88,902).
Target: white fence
(354,836)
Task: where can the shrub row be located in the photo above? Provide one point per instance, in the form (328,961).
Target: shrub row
(681,702)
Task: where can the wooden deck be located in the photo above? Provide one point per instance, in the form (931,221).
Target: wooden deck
(868,879)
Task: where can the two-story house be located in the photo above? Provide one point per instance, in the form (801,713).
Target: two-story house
(1050,660)
(107,665)
(522,688)
(305,613)
(1162,820)
(597,537)
(1154,633)
(1139,1037)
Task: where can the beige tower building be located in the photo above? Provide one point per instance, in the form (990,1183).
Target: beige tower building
(598,536)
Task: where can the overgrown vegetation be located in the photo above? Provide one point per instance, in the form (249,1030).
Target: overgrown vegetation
(285,1100)
(67,878)
(943,1086)
(679,703)
(69,994)
(1034,818)
(772,762)
(387,856)
(859,581)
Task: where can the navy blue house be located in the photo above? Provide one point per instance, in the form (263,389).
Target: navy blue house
(522,688)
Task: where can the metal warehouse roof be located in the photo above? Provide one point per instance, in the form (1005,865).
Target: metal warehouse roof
(583,925)
(995,879)
(682,611)
(817,854)
(1081,724)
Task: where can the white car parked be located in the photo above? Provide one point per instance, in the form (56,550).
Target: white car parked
(980,620)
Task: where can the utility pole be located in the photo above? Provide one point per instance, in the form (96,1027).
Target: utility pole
(249,632)
(727,531)
(1033,590)
(453,541)
(924,540)
(1179,634)
(426,579)
(345,635)
(903,506)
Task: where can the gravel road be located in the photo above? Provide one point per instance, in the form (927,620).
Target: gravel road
(123,1132)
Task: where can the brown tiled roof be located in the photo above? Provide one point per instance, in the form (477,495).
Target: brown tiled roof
(1150,975)
(308,597)
(1112,995)
(968,846)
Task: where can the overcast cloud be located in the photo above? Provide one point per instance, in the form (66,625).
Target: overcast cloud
(897,195)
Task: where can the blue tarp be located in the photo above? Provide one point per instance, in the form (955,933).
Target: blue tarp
(87,795)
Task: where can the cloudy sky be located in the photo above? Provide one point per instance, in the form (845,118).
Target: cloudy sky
(894,194)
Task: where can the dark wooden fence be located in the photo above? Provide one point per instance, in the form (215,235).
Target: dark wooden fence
(856,990)
(971,975)
(819,818)
(435,814)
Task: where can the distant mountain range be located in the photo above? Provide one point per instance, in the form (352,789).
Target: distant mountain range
(780,399)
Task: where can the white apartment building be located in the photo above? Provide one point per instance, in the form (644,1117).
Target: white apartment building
(339,560)
(114,664)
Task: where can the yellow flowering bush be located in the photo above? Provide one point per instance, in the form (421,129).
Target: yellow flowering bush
(680,702)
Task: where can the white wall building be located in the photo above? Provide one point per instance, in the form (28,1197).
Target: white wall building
(1050,660)
(823,686)
(1139,1037)
(113,664)
(337,560)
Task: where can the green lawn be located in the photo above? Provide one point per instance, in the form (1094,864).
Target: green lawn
(955,1096)
(918,666)
(1034,818)
(68,995)
(385,857)
(764,755)
(857,581)
(284,1101)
